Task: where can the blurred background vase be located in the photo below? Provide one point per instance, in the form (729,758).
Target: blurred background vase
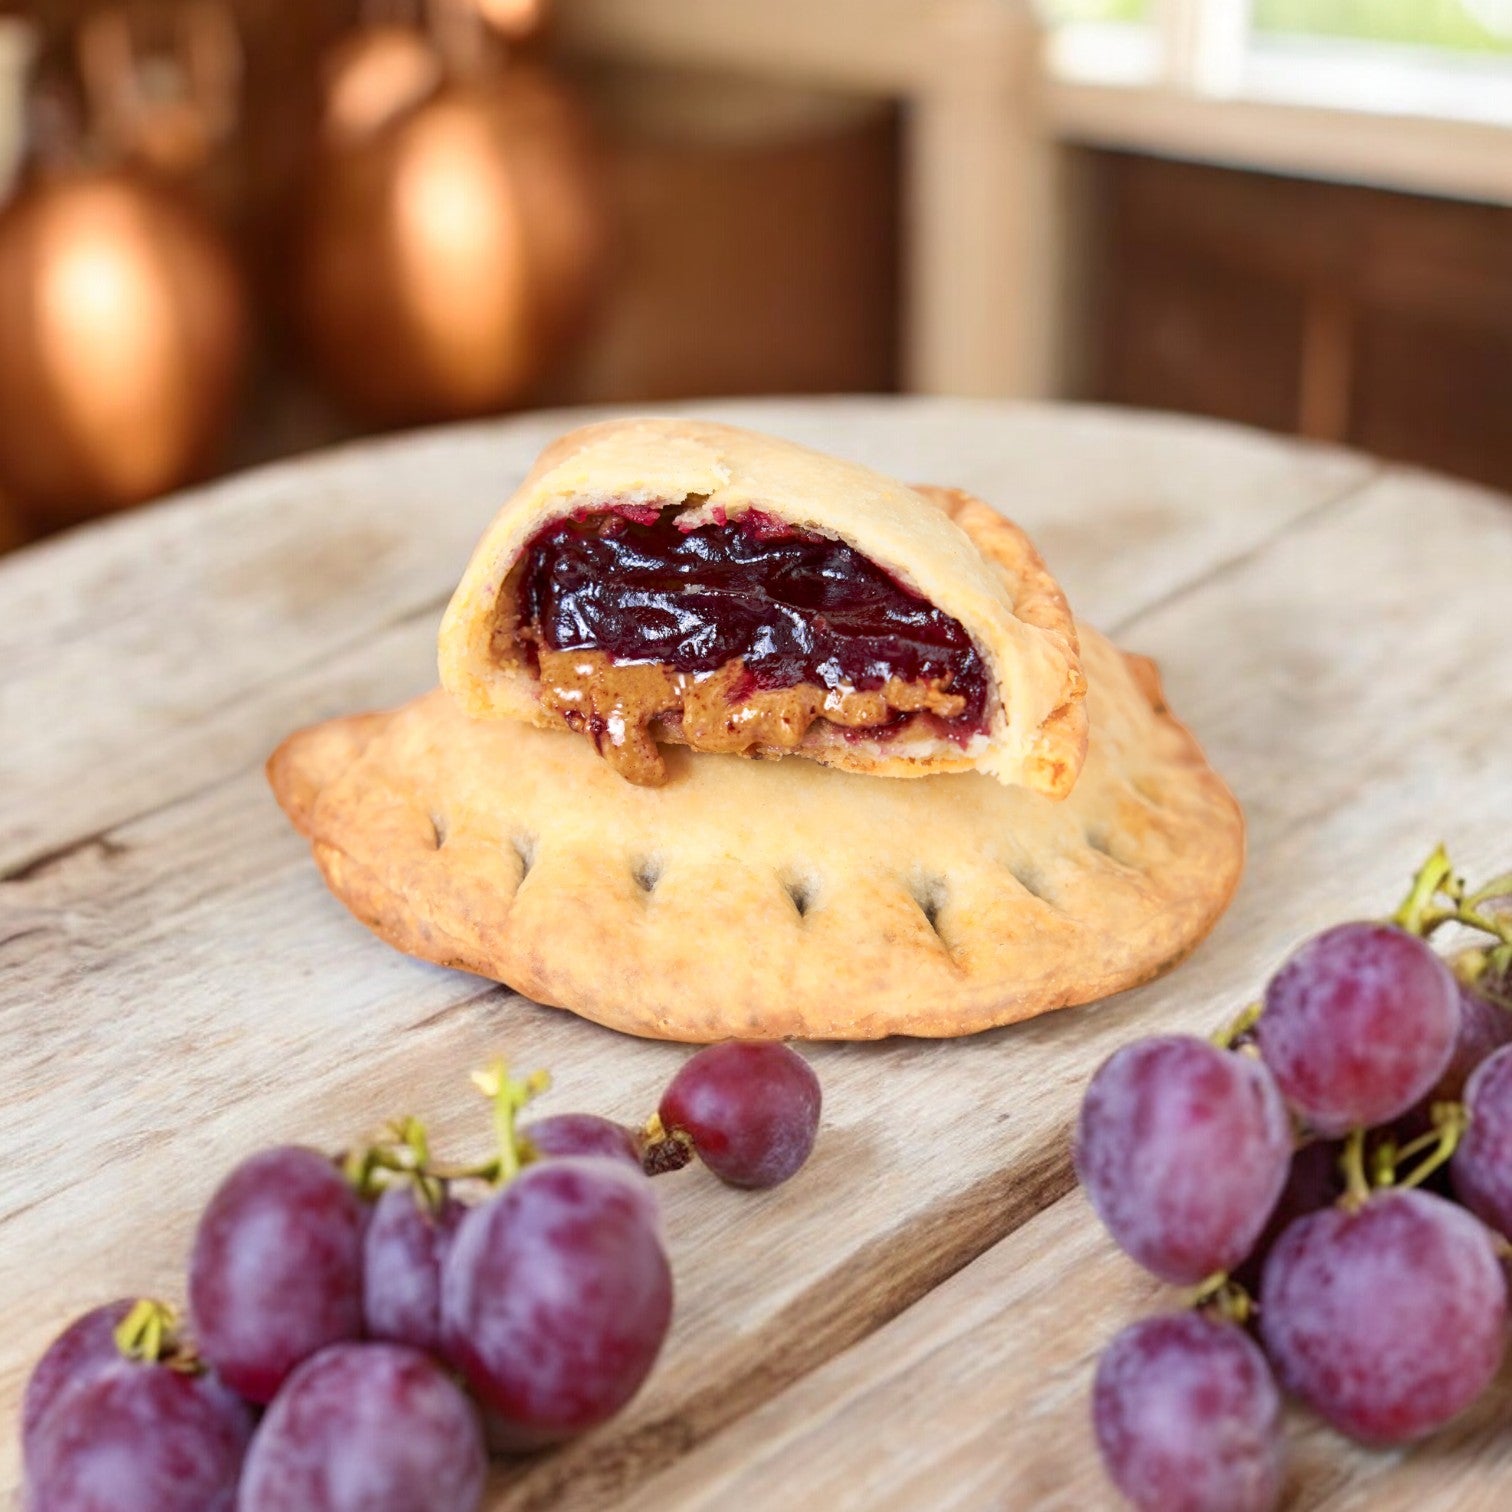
(122,314)
(121,342)
(455,225)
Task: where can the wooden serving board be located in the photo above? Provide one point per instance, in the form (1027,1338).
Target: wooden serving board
(910,1323)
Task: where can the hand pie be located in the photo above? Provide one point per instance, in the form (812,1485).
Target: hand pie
(678,581)
(765,899)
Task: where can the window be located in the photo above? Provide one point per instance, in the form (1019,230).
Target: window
(1456,26)
(1082,12)
(1450,59)
(1109,41)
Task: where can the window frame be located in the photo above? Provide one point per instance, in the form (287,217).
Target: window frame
(1205,86)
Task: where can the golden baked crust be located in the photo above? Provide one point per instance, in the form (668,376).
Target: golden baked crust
(990,578)
(771,898)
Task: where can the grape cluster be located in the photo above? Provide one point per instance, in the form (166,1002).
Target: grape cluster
(361,1331)
(1340,1216)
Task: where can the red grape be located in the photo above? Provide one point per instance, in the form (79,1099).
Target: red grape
(74,1356)
(1389,1320)
(582,1134)
(402,1255)
(366,1428)
(555,1299)
(1482,1163)
(276,1269)
(1188,1417)
(138,1437)
(1495,981)
(750,1107)
(1483,1028)
(1358,1025)
(1183,1150)
(1313,1181)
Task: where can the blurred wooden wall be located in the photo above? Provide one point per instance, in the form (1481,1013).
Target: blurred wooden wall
(1383,321)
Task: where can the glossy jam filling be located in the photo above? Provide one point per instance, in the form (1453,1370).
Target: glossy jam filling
(769,608)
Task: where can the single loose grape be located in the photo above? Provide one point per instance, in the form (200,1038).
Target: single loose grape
(1188,1417)
(276,1268)
(1358,1025)
(750,1107)
(1388,1321)
(367,1428)
(1183,1150)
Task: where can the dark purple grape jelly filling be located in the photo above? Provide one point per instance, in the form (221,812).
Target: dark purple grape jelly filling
(792,606)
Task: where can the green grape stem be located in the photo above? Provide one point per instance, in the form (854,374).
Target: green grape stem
(1438,897)
(1450,1120)
(1352,1163)
(1490,892)
(1383,1169)
(508,1096)
(1432,877)
(1383,1163)
(1239,1025)
(149,1332)
(401,1154)
(1222,1297)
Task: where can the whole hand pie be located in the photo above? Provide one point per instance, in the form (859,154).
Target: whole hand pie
(764,899)
(657,581)
(661,598)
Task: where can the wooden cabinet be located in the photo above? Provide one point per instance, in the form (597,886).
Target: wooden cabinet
(1381,320)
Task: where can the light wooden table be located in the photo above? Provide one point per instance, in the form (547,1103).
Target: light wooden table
(912,1322)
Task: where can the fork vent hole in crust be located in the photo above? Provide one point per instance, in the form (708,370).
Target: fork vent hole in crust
(1029,878)
(802,891)
(525,849)
(439,829)
(931,894)
(1113,852)
(647,873)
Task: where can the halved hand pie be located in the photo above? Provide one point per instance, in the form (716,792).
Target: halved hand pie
(666,580)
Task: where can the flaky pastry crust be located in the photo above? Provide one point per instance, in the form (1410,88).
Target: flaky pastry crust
(991,579)
(766,899)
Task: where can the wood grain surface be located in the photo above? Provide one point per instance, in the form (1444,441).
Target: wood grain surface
(177,989)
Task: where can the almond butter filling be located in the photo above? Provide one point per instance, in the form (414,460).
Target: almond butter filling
(616,704)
